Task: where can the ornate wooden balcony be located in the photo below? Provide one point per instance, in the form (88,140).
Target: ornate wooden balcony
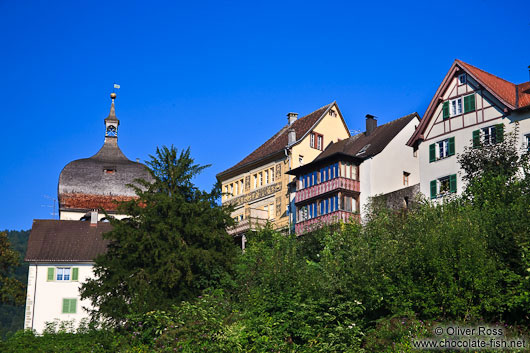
(332,217)
(327,186)
(257,219)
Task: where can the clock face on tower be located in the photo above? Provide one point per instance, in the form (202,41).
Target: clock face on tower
(111,131)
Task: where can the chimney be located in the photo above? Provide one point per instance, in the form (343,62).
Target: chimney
(291,137)
(371,124)
(94,218)
(291,117)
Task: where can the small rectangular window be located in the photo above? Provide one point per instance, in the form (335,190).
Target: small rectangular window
(69,306)
(63,274)
(462,79)
(456,106)
(406,178)
(312,140)
(319,142)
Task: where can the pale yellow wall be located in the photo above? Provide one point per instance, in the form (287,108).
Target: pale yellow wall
(331,127)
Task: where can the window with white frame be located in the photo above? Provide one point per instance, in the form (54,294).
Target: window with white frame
(63,274)
(462,79)
(272,175)
(490,136)
(527,141)
(316,140)
(441,149)
(443,186)
(456,106)
(255,181)
(266,177)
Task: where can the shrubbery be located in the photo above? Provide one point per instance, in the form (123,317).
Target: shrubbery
(353,288)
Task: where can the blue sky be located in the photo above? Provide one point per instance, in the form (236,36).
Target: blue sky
(221,76)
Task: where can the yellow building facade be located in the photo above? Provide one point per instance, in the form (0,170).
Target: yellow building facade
(258,187)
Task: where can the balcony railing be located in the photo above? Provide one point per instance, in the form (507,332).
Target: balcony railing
(327,186)
(333,217)
(257,219)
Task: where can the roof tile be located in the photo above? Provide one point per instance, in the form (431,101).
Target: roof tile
(279,141)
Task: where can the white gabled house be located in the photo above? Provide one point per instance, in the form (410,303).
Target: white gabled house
(471,107)
(61,252)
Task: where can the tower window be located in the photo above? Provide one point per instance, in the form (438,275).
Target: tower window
(112,131)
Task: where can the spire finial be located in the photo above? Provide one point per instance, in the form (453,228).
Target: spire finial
(111,121)
(112,113)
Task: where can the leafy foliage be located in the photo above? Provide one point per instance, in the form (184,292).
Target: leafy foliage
(12,313)
(173,245)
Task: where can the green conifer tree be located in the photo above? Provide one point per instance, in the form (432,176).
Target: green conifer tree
(173,245)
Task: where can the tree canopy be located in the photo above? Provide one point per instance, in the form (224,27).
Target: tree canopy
(173,244)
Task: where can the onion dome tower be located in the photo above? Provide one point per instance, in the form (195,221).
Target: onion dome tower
(96,182)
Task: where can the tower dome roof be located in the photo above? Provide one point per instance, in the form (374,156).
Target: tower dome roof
(98,181)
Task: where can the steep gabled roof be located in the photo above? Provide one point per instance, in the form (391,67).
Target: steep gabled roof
(279,141)
(361,146)
(511,95)
(66,241)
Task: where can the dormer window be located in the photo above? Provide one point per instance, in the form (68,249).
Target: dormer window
(109,170)
(462,79)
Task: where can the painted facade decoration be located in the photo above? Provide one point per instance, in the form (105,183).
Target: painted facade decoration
(258,186)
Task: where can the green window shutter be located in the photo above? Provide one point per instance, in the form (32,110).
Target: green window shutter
(451,146)
(433,189)
(432,153)
(452,183)
(445,109)
(499,133)
(75,273)
(469,103)
(51,273)
(476,138)
(66,306)
(73,306)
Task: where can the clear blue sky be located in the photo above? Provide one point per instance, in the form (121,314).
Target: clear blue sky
(220,76)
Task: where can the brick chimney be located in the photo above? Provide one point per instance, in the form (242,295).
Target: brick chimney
(291,117)
(371,124)
(291,136)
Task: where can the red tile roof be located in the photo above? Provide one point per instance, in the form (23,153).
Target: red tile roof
(503,89)
(524,94)
(512,95)
(279,141)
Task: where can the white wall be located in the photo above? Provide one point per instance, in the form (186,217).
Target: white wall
(383,173)
(45,298)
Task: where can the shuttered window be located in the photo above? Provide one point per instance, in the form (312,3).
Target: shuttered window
(75,274)
(432,153)
(469,103)
(51,273)
(445,109)
(451,146)
(476,138)
(69,306)
(443,186)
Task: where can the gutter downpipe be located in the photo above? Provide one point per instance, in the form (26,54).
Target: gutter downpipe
(288,155)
